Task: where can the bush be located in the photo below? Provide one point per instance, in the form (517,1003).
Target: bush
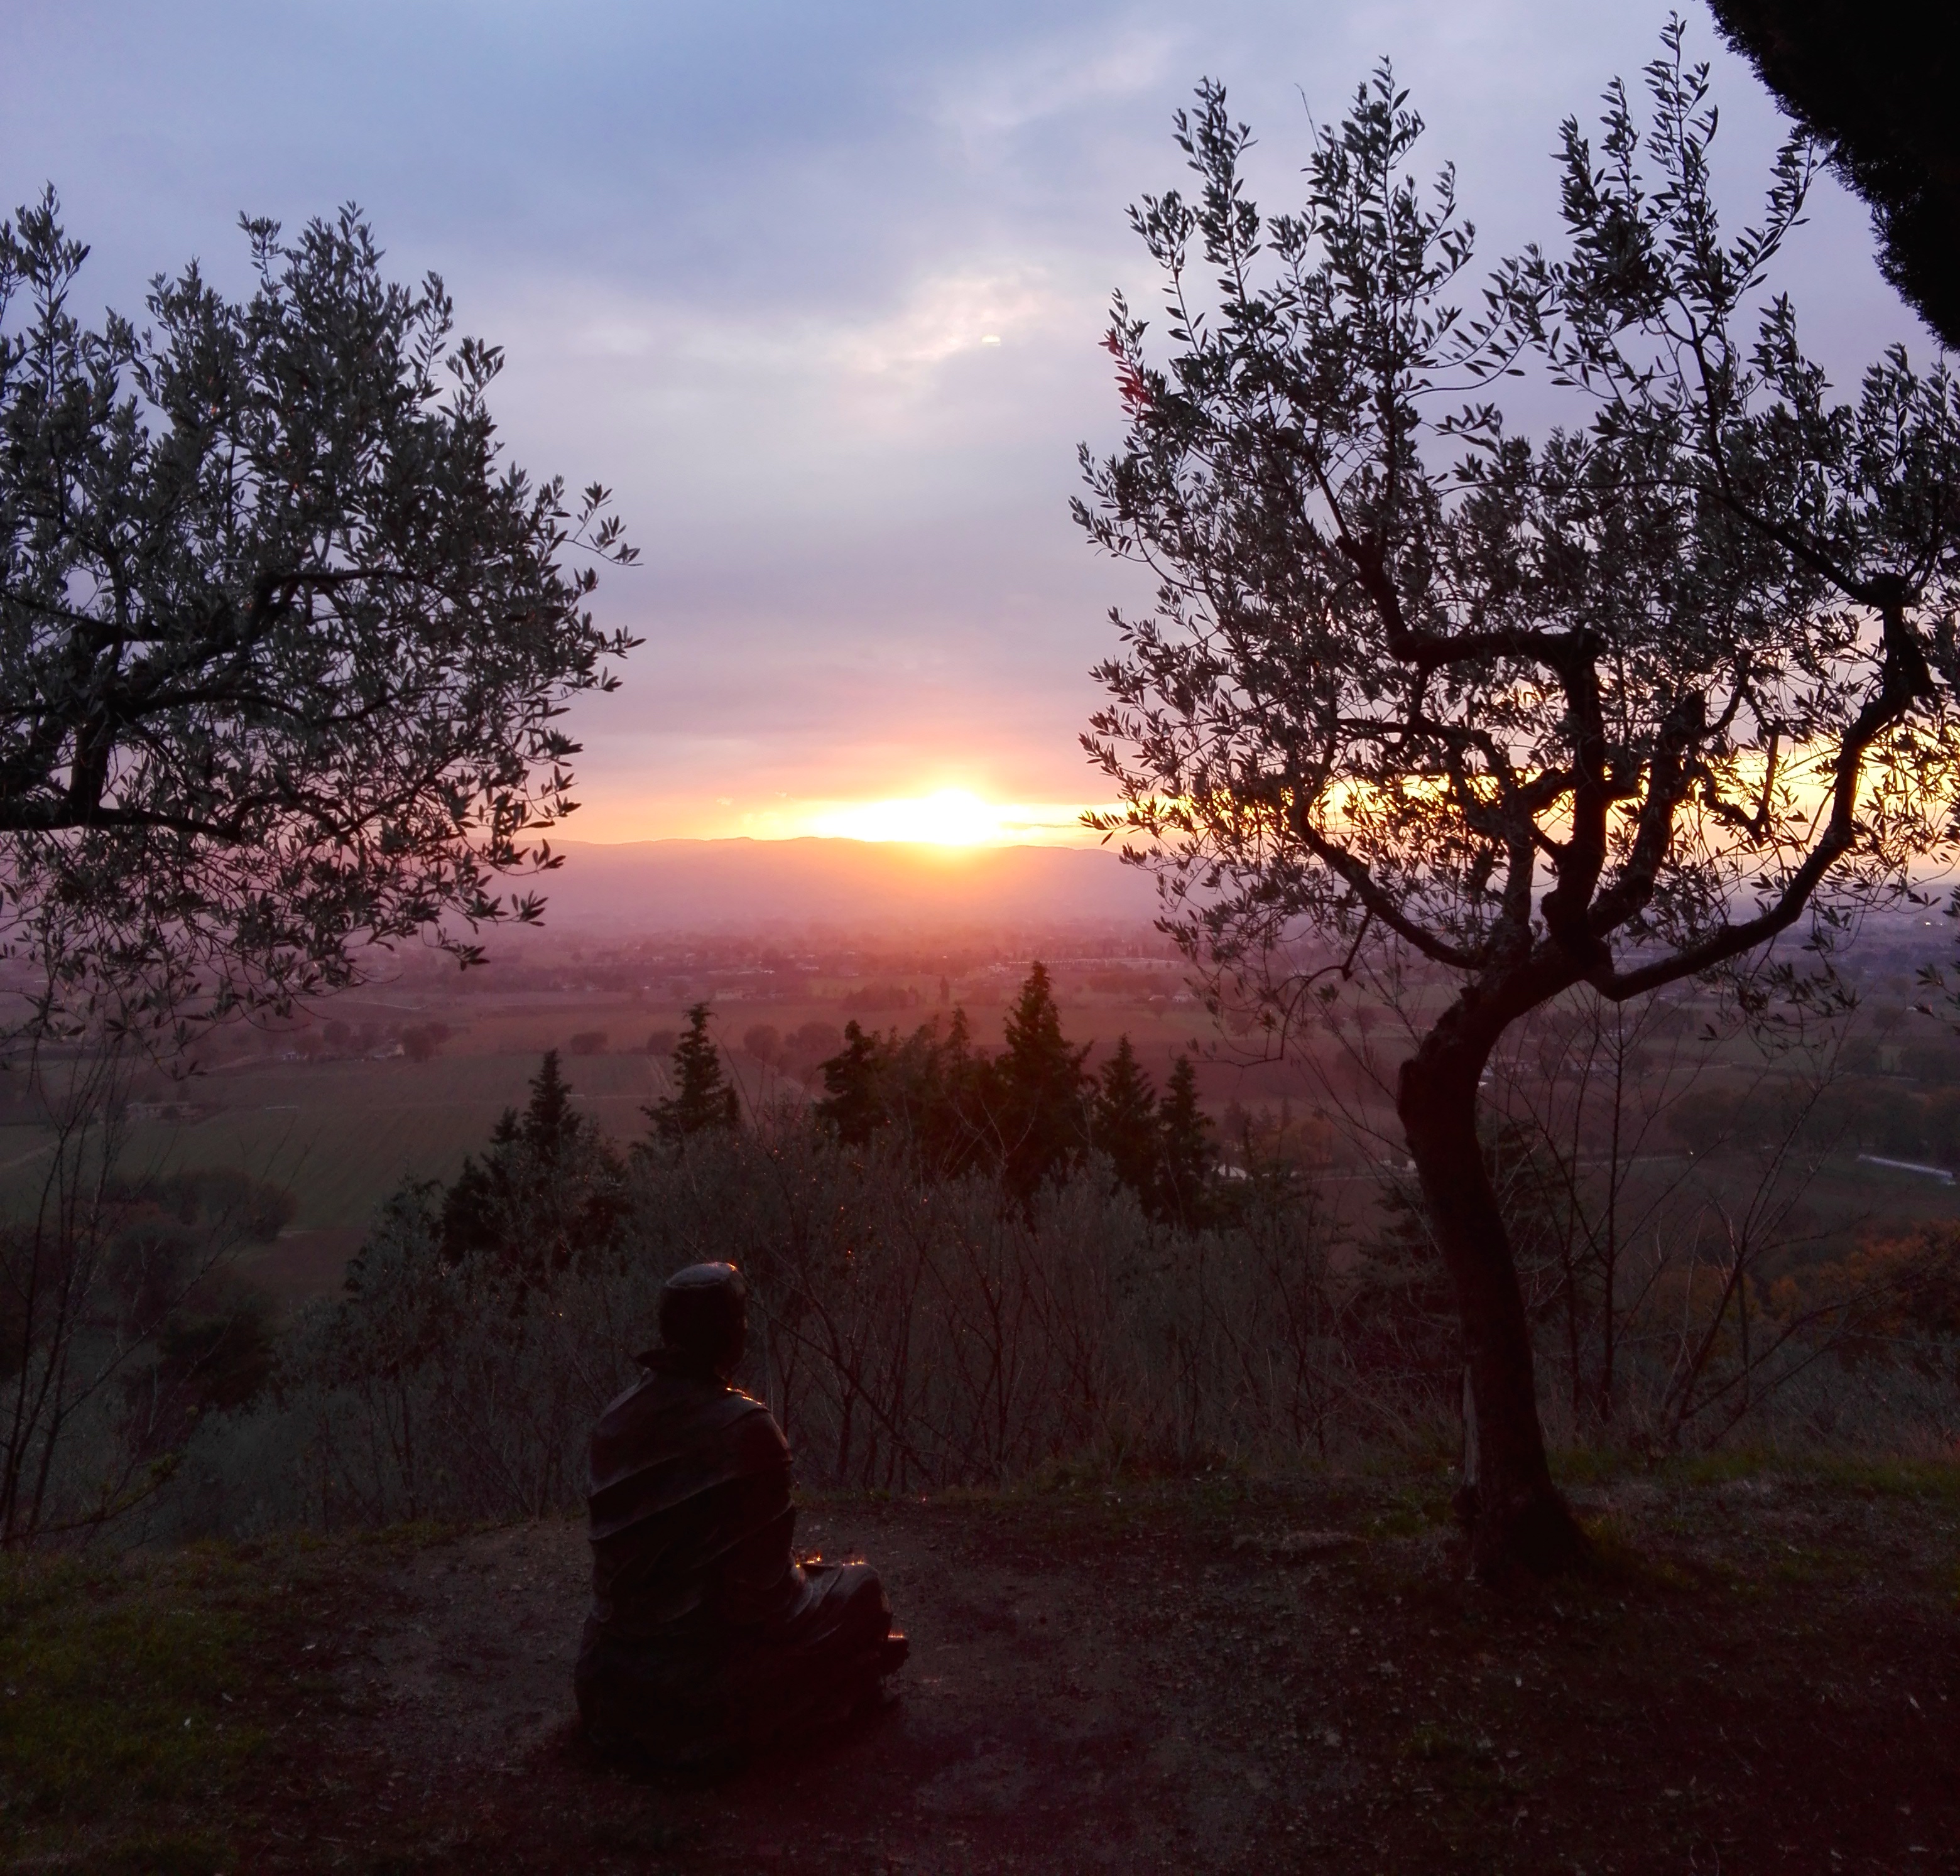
(924,1319)
(910,1333)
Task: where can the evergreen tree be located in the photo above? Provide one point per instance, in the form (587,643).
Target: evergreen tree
(547,1193)
(851,1080)
(703,1095)
(949,1096)
(940,1089)
(550,1123)
(1038,1109)
(935,1091)
(1124,1120)
(1875,84)
(1188,1155)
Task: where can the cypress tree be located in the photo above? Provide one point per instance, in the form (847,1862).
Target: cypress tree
(550,1121)
(855,1104)
(1124,1120)
(1189,1156)
(546,1192)
(943,1089)
(703,1096)
(1040,1110)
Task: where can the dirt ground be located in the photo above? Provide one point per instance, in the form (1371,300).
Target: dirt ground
(1191,1680)
(1222,1676)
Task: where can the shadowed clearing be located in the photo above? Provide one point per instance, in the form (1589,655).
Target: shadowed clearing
(1226,1675)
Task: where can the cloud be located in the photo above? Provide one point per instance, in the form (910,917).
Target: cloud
(1068,73)
(949,314)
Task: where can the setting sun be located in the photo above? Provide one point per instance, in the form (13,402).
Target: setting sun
(953,817)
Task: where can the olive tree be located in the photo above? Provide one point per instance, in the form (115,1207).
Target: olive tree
(1614,701)
(284,642)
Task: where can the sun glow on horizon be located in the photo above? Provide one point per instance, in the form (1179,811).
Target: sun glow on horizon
(949,817)
(950,820)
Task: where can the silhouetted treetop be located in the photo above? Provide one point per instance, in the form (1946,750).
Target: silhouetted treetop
(703,1096)
(286,642)
(1040,1106)
(1876,83)
(1123,1117)
(548,1191)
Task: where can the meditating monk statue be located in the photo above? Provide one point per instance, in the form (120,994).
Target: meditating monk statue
(706,1634)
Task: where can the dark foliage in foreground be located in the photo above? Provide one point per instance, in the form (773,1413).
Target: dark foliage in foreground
(916,1329)
(123,1324)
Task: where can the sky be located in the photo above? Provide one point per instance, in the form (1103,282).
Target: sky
(818,291)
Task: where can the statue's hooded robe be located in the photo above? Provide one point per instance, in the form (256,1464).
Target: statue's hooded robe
(706,1634)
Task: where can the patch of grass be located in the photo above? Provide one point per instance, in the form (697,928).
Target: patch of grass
(1432,1742)
(424,1534)
(1882,1476)
(1935,1477)
(1618,1562)
(1429,1450)
(1922,1478)
(1725,1465)
(1411,1515)
(125,1688)
(1595,1465)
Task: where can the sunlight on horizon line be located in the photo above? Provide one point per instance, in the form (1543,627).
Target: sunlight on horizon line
(950,817)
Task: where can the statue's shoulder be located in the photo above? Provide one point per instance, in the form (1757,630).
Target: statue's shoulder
(753,1423)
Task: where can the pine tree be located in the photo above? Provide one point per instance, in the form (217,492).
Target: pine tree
(1038,1109)
(703,1095)
(1124,1120)
(550,1122)
(854,1105)
(941,1089)
(547,1192)
(1188,1154)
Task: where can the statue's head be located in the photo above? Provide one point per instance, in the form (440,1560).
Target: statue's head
(704,1318)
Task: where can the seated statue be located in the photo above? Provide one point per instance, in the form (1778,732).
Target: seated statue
(706,1636)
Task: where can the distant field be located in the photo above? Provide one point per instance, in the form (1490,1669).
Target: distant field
(342,1134)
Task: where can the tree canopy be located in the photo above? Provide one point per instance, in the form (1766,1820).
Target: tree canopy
(703,1096)
(1876,84)
(1612,705)
(286,640)
(1028,1115)
(1633,660)
(548,1193)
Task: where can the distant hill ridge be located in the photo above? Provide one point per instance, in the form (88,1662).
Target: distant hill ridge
(704,884)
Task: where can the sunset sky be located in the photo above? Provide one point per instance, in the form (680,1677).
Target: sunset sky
(818,290)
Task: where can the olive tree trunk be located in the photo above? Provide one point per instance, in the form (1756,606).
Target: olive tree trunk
(1517,1517)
